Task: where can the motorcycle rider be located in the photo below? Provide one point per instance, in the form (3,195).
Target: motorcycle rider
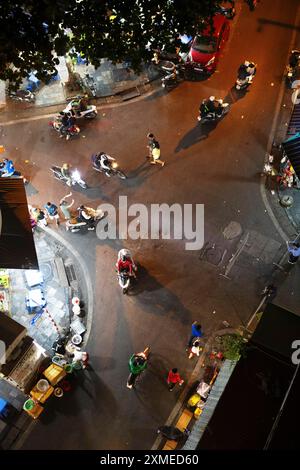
(210,108)
(84,216)
(137,363)
(125,262)
(246,71)
(66,173)
(79,106)
(102,160)
(294,59)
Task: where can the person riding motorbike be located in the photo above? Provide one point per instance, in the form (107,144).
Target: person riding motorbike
(137,363)
(125,263)
(210,108)
(84,216)
(66,173)
(104,161)
(79,106)
(294,59)
(246,71)
(7,168)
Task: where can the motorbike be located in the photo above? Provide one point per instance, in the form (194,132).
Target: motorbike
(90,84)
(77,224)
(64,132)
(113,171)
(124,277)
(89,113)
(243,83)
(210,117)
(228,12)
(22,95)
(75,177)
(173,73)
(292,68)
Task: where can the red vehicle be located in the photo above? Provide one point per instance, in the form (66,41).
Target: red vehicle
(207,46)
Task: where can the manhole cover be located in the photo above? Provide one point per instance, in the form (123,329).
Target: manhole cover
(46,270)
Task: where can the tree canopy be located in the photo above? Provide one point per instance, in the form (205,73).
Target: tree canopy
(34,32)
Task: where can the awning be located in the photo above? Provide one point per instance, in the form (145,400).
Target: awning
(291,147)
(17,248)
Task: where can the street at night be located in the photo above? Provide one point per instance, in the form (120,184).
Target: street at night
(218,164)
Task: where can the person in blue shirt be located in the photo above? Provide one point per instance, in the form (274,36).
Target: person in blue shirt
(7,168)
(294,251)
(195,333)
(52,212)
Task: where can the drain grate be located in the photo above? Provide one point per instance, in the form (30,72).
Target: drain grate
(70,272)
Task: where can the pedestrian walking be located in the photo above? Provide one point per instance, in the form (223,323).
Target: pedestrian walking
(38,215)
(294,251)
(195,333)
(52,212)
(196,348)
(154,150)
(174,378)
(65,206)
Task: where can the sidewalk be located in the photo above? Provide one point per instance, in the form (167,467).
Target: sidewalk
(64,277)
(110,82)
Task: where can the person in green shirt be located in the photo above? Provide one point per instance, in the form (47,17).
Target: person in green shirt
(137,363)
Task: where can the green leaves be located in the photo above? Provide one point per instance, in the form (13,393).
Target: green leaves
(32,32)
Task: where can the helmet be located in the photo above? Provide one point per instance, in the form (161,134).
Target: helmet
(247,63)
(212,98)
(66,166)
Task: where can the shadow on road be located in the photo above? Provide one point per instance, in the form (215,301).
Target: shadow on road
(164,301)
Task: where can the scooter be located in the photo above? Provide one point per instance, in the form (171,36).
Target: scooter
(210,117)
(70,132)
(243,83)
(124,277)
(113,171)
(22,95)
(89,113)
(133,378)
(77,224)
(75,177)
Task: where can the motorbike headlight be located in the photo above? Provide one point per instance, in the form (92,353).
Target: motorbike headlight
(211,61)
(114,165)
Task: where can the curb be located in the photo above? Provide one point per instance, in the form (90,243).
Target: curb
(86,275)
(153,89)
(195,374)
(275,131)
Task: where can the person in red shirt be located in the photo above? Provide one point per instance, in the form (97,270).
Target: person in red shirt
(174,378)
(125,263)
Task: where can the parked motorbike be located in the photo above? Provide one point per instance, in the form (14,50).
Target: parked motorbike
(89,113)
(75,177)
(77,224)
(90,84)
(292,68)
(64,132)
(22,95)
(173,73)
(210,117)
(228,12)
(114,171)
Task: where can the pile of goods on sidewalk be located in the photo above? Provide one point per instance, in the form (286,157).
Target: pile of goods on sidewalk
(197,399)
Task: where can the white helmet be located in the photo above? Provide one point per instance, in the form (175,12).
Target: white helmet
(247,63)
(212,98)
